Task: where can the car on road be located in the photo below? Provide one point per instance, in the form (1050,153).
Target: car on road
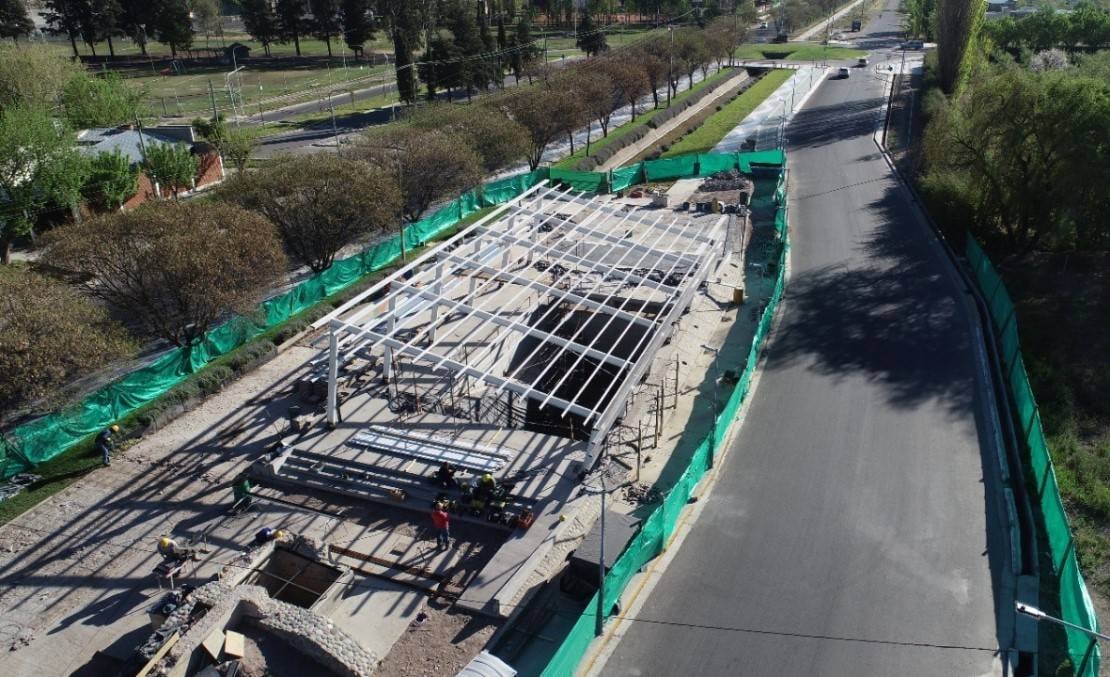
(862,61)
(844,72)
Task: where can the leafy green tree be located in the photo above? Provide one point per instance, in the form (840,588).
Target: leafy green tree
(405,21)
(179,268)
(260,21)
(441,66)
(34,76)
(49,336)
(173,25)
(499,141)
(14,21)
(524,48)
(172,165)
(208,18)
(112,180)
(291,21)
(63,17)
(358,26)
(958,24)
(100,21)
(39,165)
(474,70)
(320,203)
(427,165)
(591,40)
(1028,153)
(238,145)
(535,108)
(325,20)
(137,19)
(91,101)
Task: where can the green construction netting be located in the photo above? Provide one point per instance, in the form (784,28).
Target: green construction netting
(657,529)
(625,177)
(46,437)
(1074,602)
(769,158)
(592,182)
(666,169)
(711,163)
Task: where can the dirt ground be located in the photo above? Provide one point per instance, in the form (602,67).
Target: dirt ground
(439,642)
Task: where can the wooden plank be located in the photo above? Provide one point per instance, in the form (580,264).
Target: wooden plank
(234,644)
(160,654)
(214,643)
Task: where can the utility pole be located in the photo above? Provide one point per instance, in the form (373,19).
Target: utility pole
(670,66)
(334,129)
(599,627)
(212,93)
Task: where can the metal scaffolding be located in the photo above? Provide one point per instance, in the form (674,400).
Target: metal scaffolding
(630,272)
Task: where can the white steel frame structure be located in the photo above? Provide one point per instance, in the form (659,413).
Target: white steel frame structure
(601,258)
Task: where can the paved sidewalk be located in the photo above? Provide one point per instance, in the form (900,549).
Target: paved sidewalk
(75,570)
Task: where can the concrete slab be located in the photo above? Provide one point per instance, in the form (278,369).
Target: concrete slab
(375,613)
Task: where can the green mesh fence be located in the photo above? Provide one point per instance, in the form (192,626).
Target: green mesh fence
(1074,602)
(658,528)
(44,438)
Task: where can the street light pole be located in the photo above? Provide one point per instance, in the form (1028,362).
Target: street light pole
(1038,615)
(716,400)
(670,66)
(599,627)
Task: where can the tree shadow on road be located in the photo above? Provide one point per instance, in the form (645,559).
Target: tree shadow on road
(891,314)
(821,125)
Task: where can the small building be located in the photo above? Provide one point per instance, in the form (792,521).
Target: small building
(236,52)
(132,142)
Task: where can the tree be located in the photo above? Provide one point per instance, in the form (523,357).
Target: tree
(173,25)
(320,203)
(112,180)
(654,67)
(14,21)
(597,99)
(100,101)
(591,40)
(171,165)
(63,17)
(1030,153)
(99,21)
(957,26)
(179,268)
(499,141)
(207,14)
(629,81)
(38,166)
(34,77)
(428,165)
(727,33)
(325,20)
(473,66)
(532,108)
(235,144)
(137,19)
(357,24)
(441,66)
(524,49)
(260,22)
(291,22)
(49,336)
(405,27)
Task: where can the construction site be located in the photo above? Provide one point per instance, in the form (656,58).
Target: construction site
(563,351)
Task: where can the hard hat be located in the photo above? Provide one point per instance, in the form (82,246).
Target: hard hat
(115,428)
(487,476)
(279,535)
(164,541)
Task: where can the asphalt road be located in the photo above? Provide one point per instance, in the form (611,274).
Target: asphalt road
(853,528)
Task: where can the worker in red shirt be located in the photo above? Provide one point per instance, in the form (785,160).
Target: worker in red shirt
(442,522)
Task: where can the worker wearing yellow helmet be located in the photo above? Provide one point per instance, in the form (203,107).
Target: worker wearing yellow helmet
(106,443)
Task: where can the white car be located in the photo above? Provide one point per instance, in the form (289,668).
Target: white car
(845,72)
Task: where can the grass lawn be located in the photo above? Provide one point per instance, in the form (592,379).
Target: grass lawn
(188,95)
(642,119)
(797,51)
(719,124)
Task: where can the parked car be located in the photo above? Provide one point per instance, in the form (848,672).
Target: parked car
(845,73)
(862,61)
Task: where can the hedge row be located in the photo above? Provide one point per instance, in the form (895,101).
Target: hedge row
(589,164)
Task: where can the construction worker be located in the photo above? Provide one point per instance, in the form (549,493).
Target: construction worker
(267,534)
(106,443)
(486,486)
(442,522)
(172,551)
(241,493)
